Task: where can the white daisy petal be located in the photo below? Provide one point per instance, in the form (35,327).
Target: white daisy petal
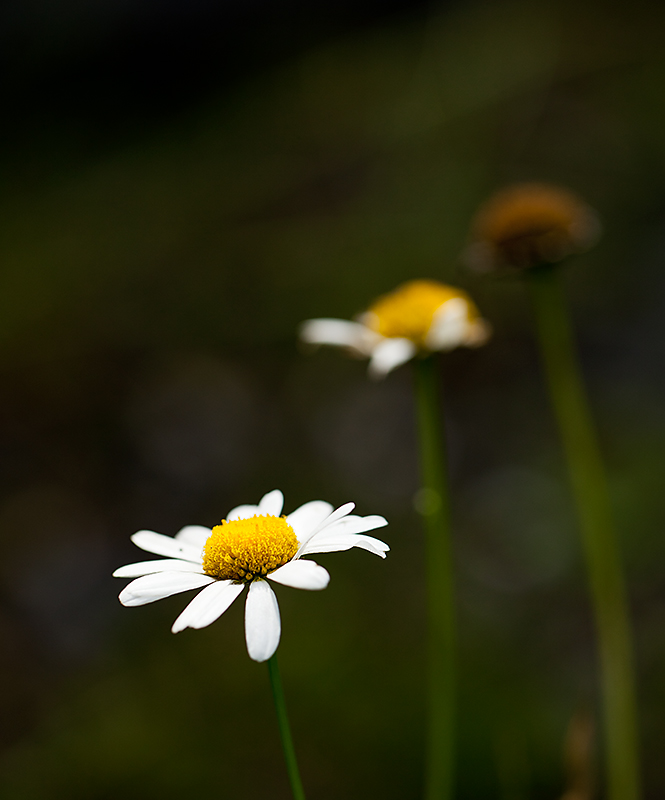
(344,525)
(318,528)
(306,518)
(338,513)
(301,575)
(196,535)
(372,545)
(389,354)
(262,623)
(162,584)
(450,325)
(242,512)
(208,605)
(340,333)
(151,567)
(329,542)
(272,503)
(355,524)
(166,546)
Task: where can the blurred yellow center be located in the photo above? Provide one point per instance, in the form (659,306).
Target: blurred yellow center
(409,310)
(244,550)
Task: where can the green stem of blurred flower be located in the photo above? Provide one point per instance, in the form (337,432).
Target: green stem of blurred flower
(434,506)
(285,730)
(601,547)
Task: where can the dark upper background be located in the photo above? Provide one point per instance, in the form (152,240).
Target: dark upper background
(183,183)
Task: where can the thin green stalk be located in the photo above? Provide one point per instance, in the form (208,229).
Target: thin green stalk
(285,730)
(440,588)
(589,484)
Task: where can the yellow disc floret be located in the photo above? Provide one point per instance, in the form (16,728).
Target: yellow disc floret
(408,312)
(244,550)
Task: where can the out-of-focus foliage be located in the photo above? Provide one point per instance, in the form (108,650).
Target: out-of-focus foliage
(150,292)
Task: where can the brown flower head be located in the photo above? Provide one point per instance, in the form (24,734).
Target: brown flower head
(529,224)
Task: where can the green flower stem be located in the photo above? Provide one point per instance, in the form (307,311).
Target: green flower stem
(440,589)
(589,484)
(285,730)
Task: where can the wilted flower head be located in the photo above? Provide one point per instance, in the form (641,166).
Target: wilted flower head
(418,317)
(252,544)
(529,224)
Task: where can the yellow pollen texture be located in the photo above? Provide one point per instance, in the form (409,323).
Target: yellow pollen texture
(244,550)
(409,310)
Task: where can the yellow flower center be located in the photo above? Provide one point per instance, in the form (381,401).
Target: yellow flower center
(245,550)
(408,312)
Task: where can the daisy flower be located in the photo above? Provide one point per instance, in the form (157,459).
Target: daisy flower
(419,317)
(529,224)
(252,544)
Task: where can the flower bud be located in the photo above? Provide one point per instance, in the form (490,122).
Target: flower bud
(528,224)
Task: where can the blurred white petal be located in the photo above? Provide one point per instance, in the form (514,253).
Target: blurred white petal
(478,332)
(389,354)
(340,333)
(450,325)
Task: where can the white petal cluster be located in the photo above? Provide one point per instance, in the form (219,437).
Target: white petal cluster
(450,328)
(318,528)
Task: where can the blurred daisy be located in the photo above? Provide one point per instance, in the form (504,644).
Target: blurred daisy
(529,224)
(418,317)
(253,543)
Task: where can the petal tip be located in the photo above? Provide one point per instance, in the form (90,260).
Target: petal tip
(127,599)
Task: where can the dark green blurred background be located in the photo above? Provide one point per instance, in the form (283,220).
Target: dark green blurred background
(183,183)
